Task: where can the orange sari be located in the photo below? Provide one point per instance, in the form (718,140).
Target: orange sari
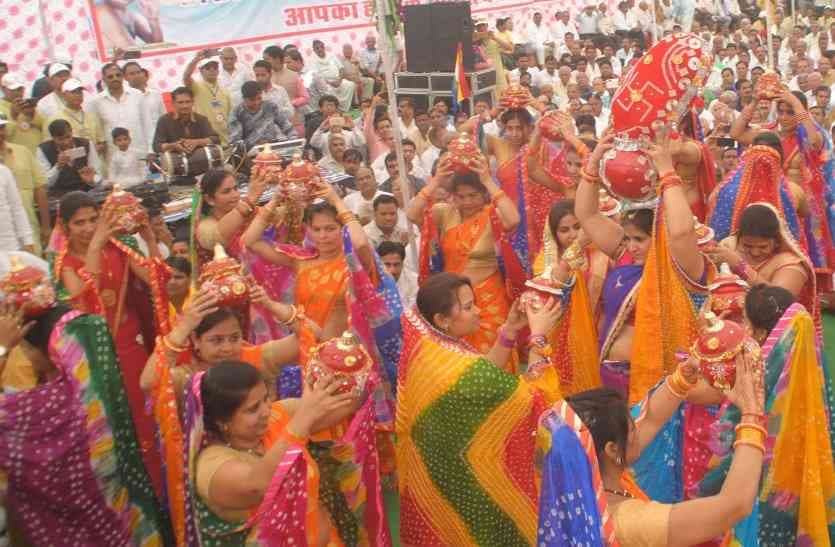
(472,240)
(320,289)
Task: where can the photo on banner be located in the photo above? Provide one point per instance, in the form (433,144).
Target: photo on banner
(161,27)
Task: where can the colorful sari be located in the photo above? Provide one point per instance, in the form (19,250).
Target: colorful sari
(465,448)
(619,295)
(517,248)
(289,512)
(797,491)
(819,184)
(133,318)
(71,465)
(757,179)
(472,239)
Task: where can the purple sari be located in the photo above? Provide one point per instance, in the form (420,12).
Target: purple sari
(620,292)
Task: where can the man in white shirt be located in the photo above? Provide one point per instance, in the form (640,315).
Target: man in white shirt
(352,71)
(538,36)
(393,255)
(523,62)
(361,202)
(587,21)
(15,230)
(562,25)
(549,76)
(384,225)
(120,106)
(601,115)
(623,20)
(329,70)
(604,23)
(371,62)
(153,108)
(233,75)
(51,104)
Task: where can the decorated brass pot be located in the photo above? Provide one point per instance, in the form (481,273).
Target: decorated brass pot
(296,182)
(769,86)
(627,172)
(27,288)
(345,359)
(267,164)
(538,291)
(727,294)
(716,349)
(127,210)
(462,152)
(223,276)
(515,96)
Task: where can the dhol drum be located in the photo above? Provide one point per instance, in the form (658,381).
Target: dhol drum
(176,165)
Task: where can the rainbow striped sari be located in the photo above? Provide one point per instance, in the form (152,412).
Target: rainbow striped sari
(68,452)
(465,446)
(796,503)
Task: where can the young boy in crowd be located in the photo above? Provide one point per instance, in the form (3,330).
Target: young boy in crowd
(126,167)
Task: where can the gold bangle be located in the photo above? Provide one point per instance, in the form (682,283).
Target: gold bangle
(294,312)
(588,177)
(170,346)
(745,426)
(345,217)
(673,390)
(759,447)
(751,435)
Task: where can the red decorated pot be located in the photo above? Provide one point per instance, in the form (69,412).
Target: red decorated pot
(727,294)
(608,205)
(127,210)
(223,276)
(267,164)
(627,172)
(716,350)
(462,152)
(538,291)
(345,359)
(769,86)
(515,96)
(661,86)
(704,235)
(27,288)
(550,125)
(296,182)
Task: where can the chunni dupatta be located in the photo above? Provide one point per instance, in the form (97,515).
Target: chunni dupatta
(349,487)
(68,448)
(572,502)
(665,318)
(797,490)
(465,449)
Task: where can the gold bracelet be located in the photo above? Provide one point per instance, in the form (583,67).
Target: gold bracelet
(294,312)
(676,394)
(759,447)
(170,346)
(751,435)
(345,217)
(745,426)
(588,177)
(680,382)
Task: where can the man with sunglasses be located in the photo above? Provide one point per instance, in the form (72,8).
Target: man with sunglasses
(121,106)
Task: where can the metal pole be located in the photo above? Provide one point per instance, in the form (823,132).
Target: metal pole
(654,24)
(389,52)
(769,14)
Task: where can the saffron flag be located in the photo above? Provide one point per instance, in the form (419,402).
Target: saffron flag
(460,87)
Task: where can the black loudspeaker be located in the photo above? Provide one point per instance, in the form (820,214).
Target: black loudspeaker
(433,32)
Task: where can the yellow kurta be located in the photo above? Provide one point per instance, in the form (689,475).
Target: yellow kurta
(213,102)
(22,131)
(85,125)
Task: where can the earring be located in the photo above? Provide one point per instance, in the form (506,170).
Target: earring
(619,460)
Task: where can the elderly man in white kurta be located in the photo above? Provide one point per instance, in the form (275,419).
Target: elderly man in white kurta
(328,69)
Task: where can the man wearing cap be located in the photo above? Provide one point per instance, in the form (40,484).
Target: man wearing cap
(52,103)
(31,186)
(70,162)
(233,75)
(84,124)
(120,106)
(25,124)
(328,71)
(210,99)
(256,121)
(41,86)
